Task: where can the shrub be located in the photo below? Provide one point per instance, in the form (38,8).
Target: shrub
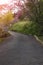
(26,27)
(32,28)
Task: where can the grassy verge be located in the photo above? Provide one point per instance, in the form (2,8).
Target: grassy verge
(41,38)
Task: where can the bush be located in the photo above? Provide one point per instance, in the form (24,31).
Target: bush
(26,27)
(32,28)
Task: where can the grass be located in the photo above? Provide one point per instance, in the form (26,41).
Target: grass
(41,38)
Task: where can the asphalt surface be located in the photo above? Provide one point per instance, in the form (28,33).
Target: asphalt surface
(20,49)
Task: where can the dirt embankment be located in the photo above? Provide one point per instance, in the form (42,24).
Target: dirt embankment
(3,33)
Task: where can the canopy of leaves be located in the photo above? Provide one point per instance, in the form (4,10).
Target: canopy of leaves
(34,12)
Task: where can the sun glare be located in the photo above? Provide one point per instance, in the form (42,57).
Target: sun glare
(4,1)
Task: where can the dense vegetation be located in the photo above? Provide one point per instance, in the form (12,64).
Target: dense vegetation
(26,27)
(5,21)
(30,22)
(34,12)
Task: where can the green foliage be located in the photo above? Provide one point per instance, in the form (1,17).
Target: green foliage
(18,26)
(35,12)
(41,38)
(26,27)
(32,28)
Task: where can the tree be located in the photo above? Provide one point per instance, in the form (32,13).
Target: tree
(34,11)
(6,20)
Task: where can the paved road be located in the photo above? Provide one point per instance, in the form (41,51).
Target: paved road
(21,50)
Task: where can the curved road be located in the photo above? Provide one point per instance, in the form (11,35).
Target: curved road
(21,49)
